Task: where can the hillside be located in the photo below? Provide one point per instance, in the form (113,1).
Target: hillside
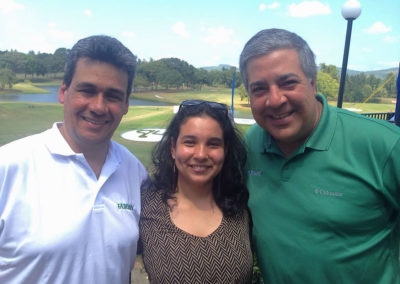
(219,67)
(381,74)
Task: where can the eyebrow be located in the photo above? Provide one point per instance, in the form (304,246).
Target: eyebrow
(278,78)
(287,76)
(89,85)
(213,138)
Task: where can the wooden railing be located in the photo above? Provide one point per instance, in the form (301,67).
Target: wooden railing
(380,115)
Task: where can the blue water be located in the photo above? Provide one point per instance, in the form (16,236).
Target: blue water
(52,97)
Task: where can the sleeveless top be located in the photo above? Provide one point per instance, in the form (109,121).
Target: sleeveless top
(171,255)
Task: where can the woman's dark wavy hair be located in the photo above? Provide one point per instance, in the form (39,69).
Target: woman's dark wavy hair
(229,189)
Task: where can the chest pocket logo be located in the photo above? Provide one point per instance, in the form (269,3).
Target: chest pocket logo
(125,206)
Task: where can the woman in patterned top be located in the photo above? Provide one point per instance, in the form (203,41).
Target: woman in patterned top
(194,224)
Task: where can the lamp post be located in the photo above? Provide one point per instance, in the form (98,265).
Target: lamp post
(350,11)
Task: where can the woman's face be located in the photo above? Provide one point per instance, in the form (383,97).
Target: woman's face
(199,151)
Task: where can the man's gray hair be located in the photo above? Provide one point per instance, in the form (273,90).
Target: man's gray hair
(269,40)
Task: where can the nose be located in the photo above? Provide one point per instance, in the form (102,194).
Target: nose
(275,98)
(200,152)
(98,105)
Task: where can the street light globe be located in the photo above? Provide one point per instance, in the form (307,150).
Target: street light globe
(351,9)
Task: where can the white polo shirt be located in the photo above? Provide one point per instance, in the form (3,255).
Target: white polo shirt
(58,222)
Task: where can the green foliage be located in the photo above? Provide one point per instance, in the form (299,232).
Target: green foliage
(257,276)
(173,72)
(243,93)
(7,78)
(40,64)
(327,85)
(390,87)
(331,70)
(166,72)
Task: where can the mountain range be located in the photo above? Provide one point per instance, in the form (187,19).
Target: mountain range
(377,73)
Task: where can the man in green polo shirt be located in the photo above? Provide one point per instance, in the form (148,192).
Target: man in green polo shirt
(324,182)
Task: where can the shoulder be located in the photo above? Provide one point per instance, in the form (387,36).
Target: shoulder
(366,128)
(150,194)
(241,218)
(124,152)
(21,149)
(254,130)
(126,157)
(153,208)
(254,135)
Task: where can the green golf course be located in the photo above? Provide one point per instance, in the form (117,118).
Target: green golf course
(20,119)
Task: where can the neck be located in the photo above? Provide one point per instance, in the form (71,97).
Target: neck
(96,160)
(194,193)
(95,155)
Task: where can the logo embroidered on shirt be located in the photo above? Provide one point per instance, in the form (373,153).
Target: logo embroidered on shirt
(125,206)
(327,193)
(256,173)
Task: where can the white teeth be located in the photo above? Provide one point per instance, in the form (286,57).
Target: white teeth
(281,116)
(199,167)
(94,121)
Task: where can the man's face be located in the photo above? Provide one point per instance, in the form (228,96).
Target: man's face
(94,104)
(282,98)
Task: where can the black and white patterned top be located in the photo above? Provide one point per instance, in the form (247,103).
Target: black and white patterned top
(171,255)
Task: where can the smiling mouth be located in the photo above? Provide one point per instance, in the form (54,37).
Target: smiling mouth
(281,116)
(95,122)
(199,168)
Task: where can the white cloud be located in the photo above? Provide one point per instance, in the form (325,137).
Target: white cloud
(366,49)
(128,34)
(389,64)
(357,67)
(180,29)
(391,39)
(7,6)
(271,6)
(88,13)
(52,25)
(220,35)
(378,28)
(66,36)
(308,8)
(214,60)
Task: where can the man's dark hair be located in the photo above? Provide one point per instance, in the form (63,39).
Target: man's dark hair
(105,49)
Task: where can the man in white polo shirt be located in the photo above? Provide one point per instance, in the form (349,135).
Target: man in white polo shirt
(70,197)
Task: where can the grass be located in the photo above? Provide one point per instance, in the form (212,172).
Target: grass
(366,108)
(25,88)
(222,95)
(23,119)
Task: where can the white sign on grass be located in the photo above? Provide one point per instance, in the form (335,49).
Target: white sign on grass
(144,135)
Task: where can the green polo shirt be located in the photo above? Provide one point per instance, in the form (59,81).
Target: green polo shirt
(330,212)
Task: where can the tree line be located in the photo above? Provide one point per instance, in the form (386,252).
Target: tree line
(358,87)
(174,73)
(165,73)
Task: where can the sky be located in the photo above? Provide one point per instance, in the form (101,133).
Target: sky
(205,32)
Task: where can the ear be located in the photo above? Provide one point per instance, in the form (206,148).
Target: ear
(62,92)
(173,148)
(126,106)
(313,83)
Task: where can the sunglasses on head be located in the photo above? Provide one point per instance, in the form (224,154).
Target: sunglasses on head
(213,105)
